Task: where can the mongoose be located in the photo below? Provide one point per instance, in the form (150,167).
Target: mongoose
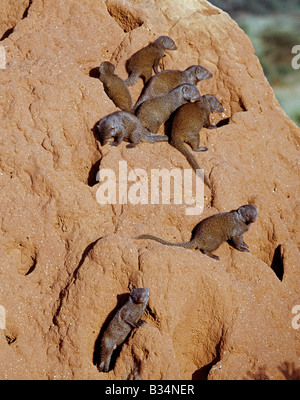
(140,64)
(115,87)
(121,125)
(216,229)
(188,122)
(156,111)
(126,318)
(165,81)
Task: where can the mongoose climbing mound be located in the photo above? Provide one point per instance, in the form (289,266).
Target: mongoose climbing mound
(115,87)
(126,318)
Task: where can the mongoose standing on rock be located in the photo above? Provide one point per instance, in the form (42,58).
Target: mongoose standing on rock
(154,112)
(188,121)
(126,318)
(115,87)
(140,64)
(122,125)
(216,229)
(165,81)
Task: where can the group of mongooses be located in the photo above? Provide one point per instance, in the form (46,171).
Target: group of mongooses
(168,95)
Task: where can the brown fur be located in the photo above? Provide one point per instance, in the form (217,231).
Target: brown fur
(165,81)
(140,64)
(211,232)
(188,122)
(126,318)
(115,87)
(156,111)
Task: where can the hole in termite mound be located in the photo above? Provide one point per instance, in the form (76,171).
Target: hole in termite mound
(277,262)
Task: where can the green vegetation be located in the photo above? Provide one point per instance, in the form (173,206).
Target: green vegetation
(257,7)
(274,29)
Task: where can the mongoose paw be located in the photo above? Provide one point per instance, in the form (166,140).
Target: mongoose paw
(202,148)
(212,127)
(241,248)
(215,257)
(245,249)
(140,323)
(113,143)
(130,146)
(101,367)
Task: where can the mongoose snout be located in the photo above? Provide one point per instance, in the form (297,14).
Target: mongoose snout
(140,296)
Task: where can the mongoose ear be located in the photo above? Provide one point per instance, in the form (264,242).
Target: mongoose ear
(240,213)
(198,71)
(184,89)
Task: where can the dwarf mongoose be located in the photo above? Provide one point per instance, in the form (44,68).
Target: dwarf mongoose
(154,112)
(188,122)
(126,318)
(140,64)
(216,229)
(165,81)
(115,87)
(121,125)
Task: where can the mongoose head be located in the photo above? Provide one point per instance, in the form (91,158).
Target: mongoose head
(247,213)
(106,66)
(190,92)
(213,102)
(106,128)
(165,42)
(139,295)
(198,73)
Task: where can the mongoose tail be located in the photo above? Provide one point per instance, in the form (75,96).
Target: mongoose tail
(131,80)
(212,231)
(153,137)
(186,245)
(178,144)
